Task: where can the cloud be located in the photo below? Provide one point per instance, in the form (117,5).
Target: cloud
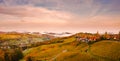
(36,14)
(29,11)
(82,7)
(60,15)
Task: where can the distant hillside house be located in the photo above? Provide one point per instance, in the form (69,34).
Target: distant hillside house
(82,39)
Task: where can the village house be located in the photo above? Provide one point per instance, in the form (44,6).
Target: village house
(5,47)
(82,39)
(23,46)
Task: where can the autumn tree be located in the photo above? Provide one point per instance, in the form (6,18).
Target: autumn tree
(106,36)
(119,35)
(97,35)
(2,55)
(28,58)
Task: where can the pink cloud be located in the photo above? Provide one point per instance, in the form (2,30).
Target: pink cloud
(35,14)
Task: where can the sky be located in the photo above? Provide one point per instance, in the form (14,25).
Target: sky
(60,15)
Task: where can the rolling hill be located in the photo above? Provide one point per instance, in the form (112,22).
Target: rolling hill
(71,50)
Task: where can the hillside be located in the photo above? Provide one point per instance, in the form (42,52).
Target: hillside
(108,50)
(77,47)
(72,50)
(22,38)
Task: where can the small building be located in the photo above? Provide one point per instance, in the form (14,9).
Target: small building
(82,39)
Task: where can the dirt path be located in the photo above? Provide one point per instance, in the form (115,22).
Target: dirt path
(58,55)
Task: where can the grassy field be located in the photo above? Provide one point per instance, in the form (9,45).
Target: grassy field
(67,51)
(109,50)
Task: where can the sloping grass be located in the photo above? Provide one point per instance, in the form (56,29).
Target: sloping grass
(75,56)
(107,49)
(99,51)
